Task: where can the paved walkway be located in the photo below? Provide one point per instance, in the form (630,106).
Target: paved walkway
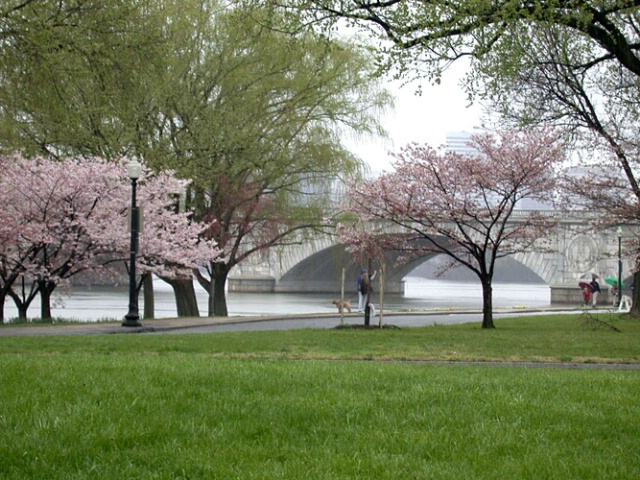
(205,324)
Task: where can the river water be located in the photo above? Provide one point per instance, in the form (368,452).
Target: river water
(92,304)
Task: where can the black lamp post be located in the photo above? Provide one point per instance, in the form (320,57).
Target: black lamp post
(619,301)
(132,318)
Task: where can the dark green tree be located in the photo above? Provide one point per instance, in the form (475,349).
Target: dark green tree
(70,72)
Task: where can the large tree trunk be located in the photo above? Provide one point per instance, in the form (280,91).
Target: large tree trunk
(635,296)
(149,298)
(217,301)
(185,293)
(487,303)
(220,273)
(46,289)
(23,309)
(3,297)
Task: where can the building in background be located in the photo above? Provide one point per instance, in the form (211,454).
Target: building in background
(458,142)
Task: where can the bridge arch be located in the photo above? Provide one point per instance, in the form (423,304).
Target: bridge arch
(315,264)
(322,271)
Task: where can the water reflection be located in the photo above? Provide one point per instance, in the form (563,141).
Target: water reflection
(91,304)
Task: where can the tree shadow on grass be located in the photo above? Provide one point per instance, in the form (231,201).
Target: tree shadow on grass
(597,320)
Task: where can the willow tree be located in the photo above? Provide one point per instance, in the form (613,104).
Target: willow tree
(257,126)
(254,118)
(73,76)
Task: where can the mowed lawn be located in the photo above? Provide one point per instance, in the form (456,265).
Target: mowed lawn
(325,404)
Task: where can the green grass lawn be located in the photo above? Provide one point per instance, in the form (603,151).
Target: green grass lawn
(274,405)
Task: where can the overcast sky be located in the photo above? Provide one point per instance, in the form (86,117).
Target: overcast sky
(427,118)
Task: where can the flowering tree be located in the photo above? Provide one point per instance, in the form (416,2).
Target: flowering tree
(462,206)
(61,218)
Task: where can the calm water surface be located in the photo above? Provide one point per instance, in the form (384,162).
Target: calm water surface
(420,294)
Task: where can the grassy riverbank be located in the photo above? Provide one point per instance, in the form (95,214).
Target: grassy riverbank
(239,405)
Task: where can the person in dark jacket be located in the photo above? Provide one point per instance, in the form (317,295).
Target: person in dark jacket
(595,290)
(363,285)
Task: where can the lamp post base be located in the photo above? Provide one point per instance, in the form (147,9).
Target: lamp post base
(131,321)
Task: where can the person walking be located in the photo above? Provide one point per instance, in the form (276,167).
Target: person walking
(595,289)
(362,297)
(363,285)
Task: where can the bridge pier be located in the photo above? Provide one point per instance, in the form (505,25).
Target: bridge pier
(267,284)
(566,294)
(251,284)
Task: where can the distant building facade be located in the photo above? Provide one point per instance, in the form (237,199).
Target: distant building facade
(459,142)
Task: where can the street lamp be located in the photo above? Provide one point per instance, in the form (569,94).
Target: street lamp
(619,232)
(132,318)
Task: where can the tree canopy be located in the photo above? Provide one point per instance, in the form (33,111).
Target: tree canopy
(436,31)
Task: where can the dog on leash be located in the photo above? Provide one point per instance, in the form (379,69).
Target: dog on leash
(342,305)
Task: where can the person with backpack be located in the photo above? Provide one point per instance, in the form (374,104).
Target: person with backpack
(363,285)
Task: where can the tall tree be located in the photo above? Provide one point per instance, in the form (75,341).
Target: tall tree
(252,116)
(257,129)
(463,206)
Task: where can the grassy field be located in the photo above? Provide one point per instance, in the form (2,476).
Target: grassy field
(275,405)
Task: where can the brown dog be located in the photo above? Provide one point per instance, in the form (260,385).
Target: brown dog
(342,305)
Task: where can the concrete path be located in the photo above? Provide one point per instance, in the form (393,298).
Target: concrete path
(281,322)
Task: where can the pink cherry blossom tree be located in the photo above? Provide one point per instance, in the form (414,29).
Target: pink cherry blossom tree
(253,216)
(463,206)
(63,217)
(46,204)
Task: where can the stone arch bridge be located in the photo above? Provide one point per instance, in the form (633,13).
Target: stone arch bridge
(316,265)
